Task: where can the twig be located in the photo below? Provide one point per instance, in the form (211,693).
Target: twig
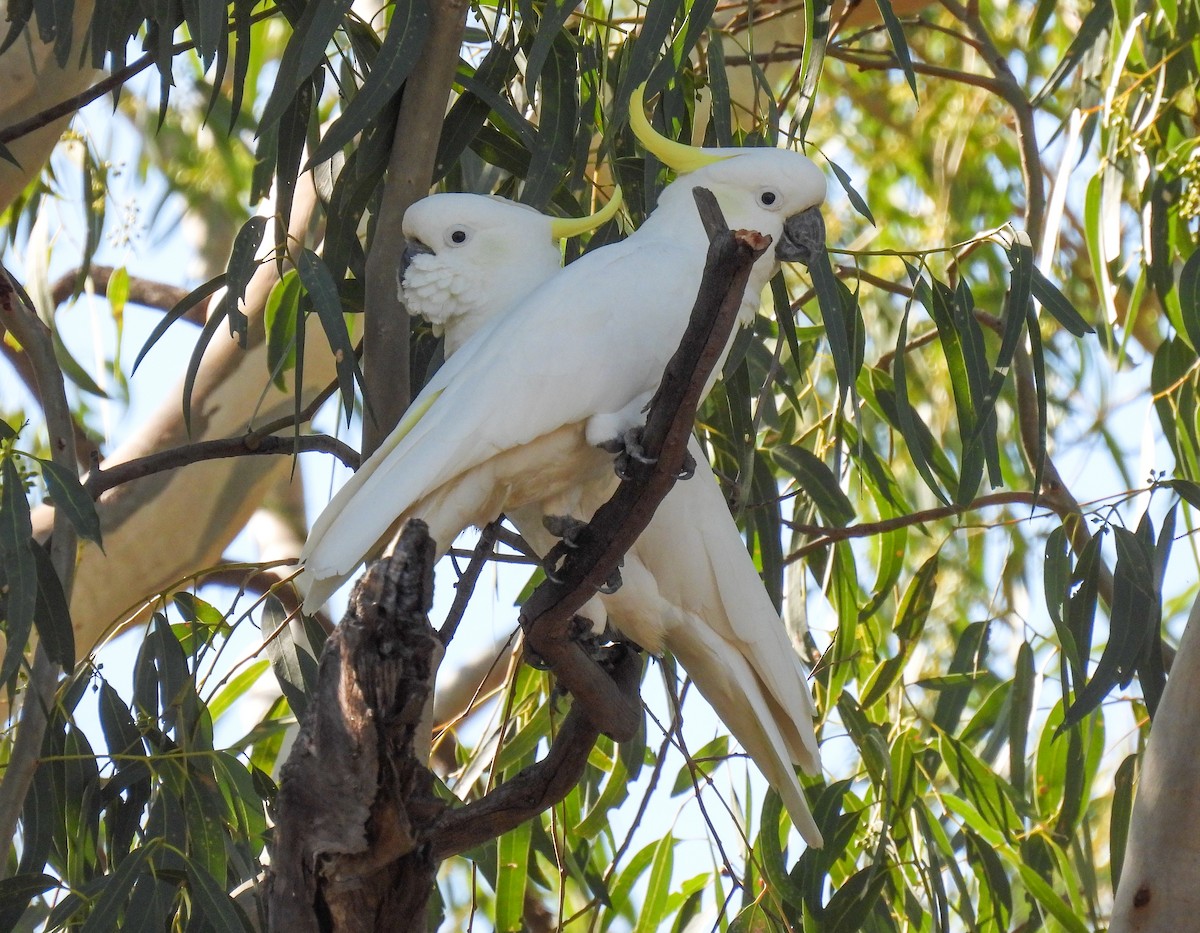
(35,337)
(292,421)
(616,525)
(410,170)
(830,535)
(98,481)
(465,586)
(887,62)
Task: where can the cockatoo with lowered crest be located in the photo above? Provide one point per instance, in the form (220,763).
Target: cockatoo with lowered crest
(513,418)
(689,585)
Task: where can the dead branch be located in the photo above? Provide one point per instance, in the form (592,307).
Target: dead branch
(356,803)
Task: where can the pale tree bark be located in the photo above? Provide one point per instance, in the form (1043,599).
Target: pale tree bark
(33,81)
(160,529)
(1159,889)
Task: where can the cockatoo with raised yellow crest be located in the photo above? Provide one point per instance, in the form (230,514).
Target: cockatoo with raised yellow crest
(514,418)
(511,421)
(689,585)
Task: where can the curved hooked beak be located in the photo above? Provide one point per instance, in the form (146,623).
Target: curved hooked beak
(413,249)
(803,236)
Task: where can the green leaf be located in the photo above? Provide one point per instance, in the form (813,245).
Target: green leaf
(294,667)
(1133,618)
(1045,895)
(237,687)
(1019,714)
(280,317)
(557,123)
(899,44)
(19,566)
(1054,301)
(16,892)
(210,902)
(117,291)
(52,615)
(703,763)
(771,853)
(305,51)
(908,420)
(106,909)
(398,55)
(207,332)
(1189,297)
(856,199)
(181,307)
(512,876)
(653,910)
(818,481)
(917,601)
(1093,26)
(856,899)
(1122,811)
(322,292)
(829,300)
(68,494)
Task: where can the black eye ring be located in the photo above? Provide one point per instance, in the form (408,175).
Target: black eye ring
(459,236)
(767,198)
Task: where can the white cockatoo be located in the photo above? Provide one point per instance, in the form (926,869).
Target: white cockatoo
(513,419)
(689,585)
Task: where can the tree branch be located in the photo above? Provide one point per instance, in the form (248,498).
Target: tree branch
(35,337)
(99,481)
(410,171)
(541,785)
(616,525)
(362,746)
(143,292)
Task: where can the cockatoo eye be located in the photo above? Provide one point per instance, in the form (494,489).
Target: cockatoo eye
(457,236)
(769,198)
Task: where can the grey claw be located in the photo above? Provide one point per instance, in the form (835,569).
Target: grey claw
(565,528)
(689,467)
(612,584)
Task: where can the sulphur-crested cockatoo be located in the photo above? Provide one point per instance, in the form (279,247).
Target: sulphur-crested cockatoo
(513,419)
(689,586)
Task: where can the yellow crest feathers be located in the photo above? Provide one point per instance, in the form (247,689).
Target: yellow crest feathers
(563,227)
(676,155)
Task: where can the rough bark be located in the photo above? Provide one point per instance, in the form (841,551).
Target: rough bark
(1158,891)
(355,799)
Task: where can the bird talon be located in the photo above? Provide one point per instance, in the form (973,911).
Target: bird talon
(567,529)
(688,470)
(613,583)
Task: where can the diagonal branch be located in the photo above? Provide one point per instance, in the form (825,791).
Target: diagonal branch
(616,525)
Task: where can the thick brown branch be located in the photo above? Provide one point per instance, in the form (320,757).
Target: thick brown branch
(99,481)
(616,525)
(356,802)
(538,787)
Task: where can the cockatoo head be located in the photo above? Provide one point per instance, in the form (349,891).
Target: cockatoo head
(774,191)
(472,256)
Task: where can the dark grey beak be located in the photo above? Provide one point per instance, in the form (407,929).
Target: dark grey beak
(412,250)
(803,236)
